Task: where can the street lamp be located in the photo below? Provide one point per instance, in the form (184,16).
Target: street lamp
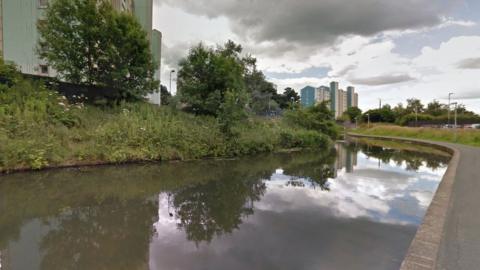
(449,99)
(416,116)
(171,72)
(455,127)
(368,117)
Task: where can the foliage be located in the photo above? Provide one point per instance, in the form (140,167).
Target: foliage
(319,118)
(165,95)
(414,105)
(435,113)
(9,74)
(88,42)
(385,114)
(353,113)
(414,118)
(39,128)
(207,74)
(435,108)
(231,112)
(468,137)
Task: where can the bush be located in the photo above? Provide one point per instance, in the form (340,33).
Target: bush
(304,139)
(318,118)
(39,128)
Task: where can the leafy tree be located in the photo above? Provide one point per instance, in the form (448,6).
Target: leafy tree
(9,74)
(264,96)
(88,42)
(384,115)
(165,96)
(399,111)
(319,118)
(232,111)
(291,95)
(206,75)
(353,113)
(435,108)
(413,105)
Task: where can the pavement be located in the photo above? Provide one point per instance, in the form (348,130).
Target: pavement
(449,236)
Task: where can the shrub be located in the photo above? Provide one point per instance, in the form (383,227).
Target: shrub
(318,118)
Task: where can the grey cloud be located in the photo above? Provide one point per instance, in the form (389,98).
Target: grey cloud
(474,94)
(344,71)
(315,22)
(382,80)
(469,63)
(173,54)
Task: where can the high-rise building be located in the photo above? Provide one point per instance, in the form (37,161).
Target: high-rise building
(322,94)
(307,95)
(19,34)
(339,99)
(334,97)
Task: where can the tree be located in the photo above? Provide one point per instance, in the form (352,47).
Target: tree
(206,75)
(384,115)
(435,108)
(399,111)
(231,111)
(264,96)
(288,99)
(88,42)
(414,105)
(9,74)
(319,118)
(165,96)
(353,113)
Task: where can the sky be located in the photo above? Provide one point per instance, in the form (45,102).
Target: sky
(389,49)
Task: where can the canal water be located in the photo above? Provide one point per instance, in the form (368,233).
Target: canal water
(357,207)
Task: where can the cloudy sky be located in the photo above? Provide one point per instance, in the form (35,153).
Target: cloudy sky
(388,49)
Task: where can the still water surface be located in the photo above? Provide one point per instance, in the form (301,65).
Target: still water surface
(354,208)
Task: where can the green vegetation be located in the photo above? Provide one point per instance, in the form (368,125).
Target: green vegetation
(40,128)
(415,113)
(462,136)
(88,42)
(208,76)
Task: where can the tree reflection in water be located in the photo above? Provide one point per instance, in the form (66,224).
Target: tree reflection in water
(114,235)
(101,218)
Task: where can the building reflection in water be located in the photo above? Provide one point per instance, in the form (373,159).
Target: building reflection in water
(102,218)
(346,158)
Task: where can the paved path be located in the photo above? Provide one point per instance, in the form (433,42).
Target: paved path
(449,237)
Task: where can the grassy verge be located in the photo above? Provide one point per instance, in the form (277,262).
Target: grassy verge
(461,136)
(39,128)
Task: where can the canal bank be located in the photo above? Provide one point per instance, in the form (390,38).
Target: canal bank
(449,237)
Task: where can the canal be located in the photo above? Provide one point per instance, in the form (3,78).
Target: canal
(355,207)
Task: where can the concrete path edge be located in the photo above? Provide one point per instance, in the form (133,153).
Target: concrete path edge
(424,250)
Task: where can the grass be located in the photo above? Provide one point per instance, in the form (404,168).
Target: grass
(461,136)
(39,128)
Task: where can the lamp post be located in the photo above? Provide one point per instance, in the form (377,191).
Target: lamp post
(449,99)
(455,122)
(416,117)
(368,117)
(171,72)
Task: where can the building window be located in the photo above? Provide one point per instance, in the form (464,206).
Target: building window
(44,69)
(42,3)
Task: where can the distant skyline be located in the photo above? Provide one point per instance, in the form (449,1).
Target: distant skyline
(391,50)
